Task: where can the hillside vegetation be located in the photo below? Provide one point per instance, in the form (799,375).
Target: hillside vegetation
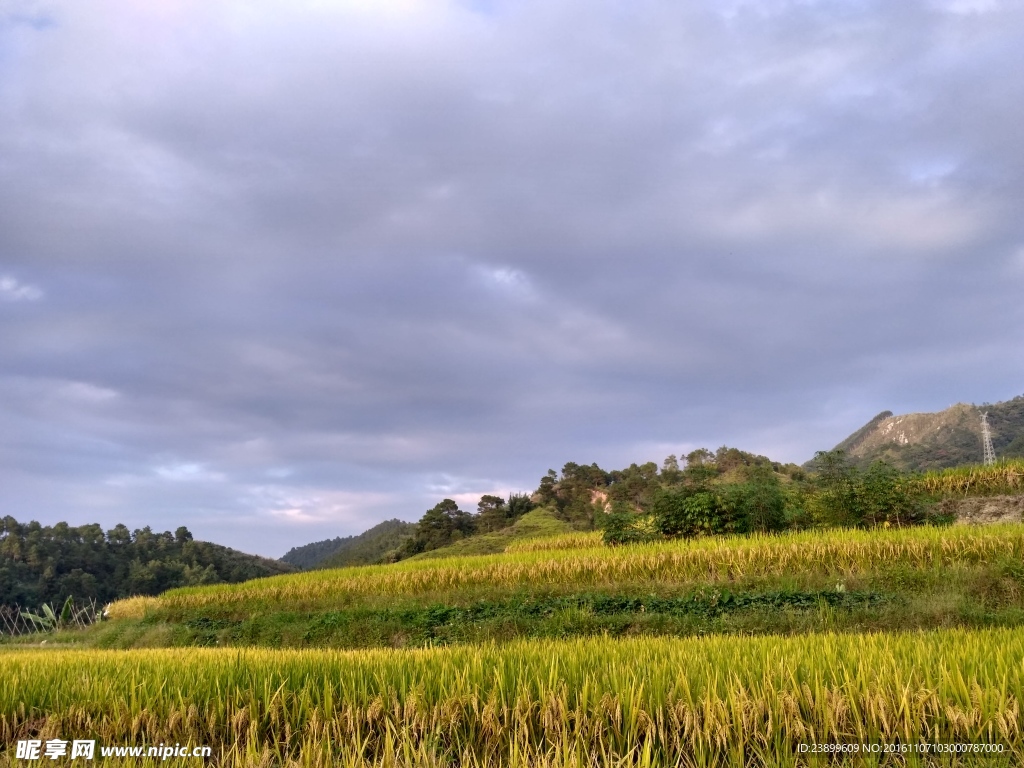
(43,564)
(379,543)
(725,492)
(842,548)
(539,523)
(706,492)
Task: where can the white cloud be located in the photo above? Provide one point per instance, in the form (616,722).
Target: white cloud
(14,290)
(875,222)
(187,472)
(507,281)
(296,515)
(84,392)
(1017,260)
(308,505)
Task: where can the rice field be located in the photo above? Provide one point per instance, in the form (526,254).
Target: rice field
(583,562)
(1003,477)
(643,702)
(578,540)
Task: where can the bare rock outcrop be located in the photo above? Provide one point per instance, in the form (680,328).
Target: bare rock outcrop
(981,510)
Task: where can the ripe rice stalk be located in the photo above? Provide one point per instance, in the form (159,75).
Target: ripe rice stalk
(685,562)
(598,701)
(1004,477)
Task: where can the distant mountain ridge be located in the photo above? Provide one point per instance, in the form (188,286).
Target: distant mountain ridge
(366,548)
(949,438)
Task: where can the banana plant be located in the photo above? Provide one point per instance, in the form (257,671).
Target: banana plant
(48,620)
(44,621)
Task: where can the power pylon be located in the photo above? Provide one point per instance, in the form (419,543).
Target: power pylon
(989,454)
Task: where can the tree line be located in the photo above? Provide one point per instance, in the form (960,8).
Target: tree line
(445,523)
(734,492)
(47,564)
(703,493)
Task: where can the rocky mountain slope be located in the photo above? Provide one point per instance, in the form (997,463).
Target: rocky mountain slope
(949,438)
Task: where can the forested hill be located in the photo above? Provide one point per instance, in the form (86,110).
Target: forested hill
(949,438)
(44,564)
(368,547)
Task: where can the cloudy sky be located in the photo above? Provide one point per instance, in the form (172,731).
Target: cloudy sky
(279,270)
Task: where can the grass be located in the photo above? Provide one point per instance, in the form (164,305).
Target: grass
(649,701)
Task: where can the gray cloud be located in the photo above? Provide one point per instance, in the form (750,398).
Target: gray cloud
(278,273)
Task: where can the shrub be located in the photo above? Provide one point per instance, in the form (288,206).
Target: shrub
(691,512)
(629,528)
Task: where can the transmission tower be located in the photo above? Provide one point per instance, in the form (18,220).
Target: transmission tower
(989,455)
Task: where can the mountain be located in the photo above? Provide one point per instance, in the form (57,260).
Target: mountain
(949,438)
(369,547)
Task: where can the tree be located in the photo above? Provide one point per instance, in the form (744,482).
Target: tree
(689,511)
(760,501)
(573,493)
(885,498)
(670,472)
(44,564)
(635,485)
(119,535)
(699,457)
(837,481)
(628,528)
(441,525)
(546,490)
(492,514)
(700,468)
(518,505)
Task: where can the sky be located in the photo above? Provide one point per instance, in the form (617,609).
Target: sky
(278,271)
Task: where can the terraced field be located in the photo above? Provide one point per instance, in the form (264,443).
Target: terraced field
(563,652)
(566,586)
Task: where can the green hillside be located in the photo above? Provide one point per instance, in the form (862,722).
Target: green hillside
(540,522)
(371,546)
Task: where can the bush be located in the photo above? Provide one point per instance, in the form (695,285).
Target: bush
(759,504)
(881,495)
(885,498)
(689,512)
(629,528)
